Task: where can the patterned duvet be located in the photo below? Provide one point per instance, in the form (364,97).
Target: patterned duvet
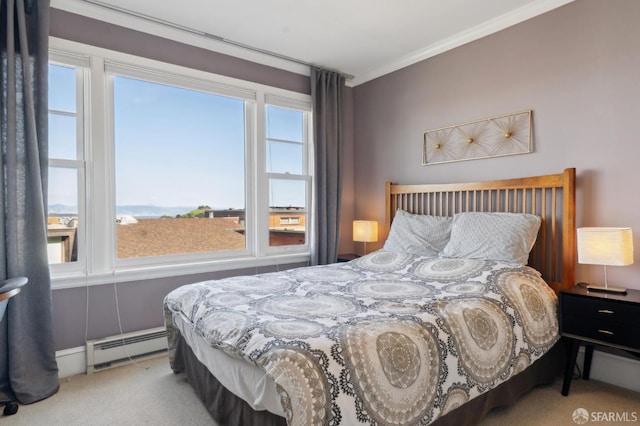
(389,338)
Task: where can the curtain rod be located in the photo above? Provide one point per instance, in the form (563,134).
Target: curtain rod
(208,35)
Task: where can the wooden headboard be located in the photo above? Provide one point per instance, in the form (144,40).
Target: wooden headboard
(552,197)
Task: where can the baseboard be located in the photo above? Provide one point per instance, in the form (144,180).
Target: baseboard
(613,369)
(71,361)
(605,367)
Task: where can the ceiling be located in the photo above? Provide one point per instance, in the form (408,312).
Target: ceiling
(363,39)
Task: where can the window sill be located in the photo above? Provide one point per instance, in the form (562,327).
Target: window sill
(80,279)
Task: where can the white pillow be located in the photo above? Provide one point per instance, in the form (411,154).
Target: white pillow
(423,235)
(508,237)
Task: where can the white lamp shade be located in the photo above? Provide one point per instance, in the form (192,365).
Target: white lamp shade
(605,246)
(365,231)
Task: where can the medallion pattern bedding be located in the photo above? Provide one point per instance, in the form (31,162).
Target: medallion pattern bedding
(388,338)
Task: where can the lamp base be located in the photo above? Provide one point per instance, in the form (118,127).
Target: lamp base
(606,289)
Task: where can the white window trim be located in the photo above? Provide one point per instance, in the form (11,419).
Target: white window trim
(307,177)
(101,266)
(81,62)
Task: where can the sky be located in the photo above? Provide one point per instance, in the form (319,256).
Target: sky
(174,146)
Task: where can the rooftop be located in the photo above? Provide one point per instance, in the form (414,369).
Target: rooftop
(158,237)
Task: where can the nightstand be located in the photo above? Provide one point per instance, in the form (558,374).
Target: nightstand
(346,257)
(596,318)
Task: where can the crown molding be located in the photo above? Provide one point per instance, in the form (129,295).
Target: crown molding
(486,28)
(194,38)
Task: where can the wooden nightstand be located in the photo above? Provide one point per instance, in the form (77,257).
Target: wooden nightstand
(346,257)
(596,318)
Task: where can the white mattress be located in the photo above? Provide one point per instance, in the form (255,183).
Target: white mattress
(240,377)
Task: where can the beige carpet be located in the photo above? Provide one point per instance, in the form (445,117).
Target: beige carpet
(135,395)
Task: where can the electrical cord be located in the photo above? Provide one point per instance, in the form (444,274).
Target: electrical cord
(86,313)
(577,367)
(124,345)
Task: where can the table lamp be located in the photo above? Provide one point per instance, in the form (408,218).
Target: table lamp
(365,231)
(607,247)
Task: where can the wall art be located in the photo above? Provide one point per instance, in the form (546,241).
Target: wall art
(492,137)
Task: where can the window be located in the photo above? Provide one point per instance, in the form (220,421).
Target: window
(290,220)
(178,154)
(66,220)
(178,171)
(288,174)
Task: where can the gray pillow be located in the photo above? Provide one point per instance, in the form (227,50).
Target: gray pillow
(423,235)
(508,237)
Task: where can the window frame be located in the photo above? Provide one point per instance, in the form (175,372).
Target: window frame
(113,70)
(100,264)
(80,64)
(306,176)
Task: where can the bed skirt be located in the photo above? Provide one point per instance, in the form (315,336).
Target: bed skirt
(543,371)
(229,410)
(225,407)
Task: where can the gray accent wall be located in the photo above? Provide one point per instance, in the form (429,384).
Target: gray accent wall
(577,67)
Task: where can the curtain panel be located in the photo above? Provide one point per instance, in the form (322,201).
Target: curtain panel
(28,370)
(327,89)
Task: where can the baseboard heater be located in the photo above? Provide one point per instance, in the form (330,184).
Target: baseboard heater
(117,350)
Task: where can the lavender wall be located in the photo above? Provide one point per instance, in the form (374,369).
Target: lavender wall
(101,34)
(576,67)
(92,311)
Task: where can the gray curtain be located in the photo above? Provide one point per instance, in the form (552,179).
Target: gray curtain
(28,370)
(327,97)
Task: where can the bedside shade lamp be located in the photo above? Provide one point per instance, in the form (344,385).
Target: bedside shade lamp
(607,247)
(365,231)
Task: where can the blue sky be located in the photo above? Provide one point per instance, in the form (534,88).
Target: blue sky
(177,147)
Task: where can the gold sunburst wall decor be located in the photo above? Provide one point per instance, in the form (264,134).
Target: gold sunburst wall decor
(491,137)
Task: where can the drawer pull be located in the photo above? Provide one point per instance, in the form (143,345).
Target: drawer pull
(604,311)
(606,332)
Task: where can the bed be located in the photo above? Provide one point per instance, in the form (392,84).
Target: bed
(437,327)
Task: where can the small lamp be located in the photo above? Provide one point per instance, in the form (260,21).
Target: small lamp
(365,231)
(607,247)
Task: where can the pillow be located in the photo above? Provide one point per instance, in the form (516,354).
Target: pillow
(508,237)
(423,235)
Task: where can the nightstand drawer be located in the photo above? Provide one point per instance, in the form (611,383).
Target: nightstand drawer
(610,332)
(601,309)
